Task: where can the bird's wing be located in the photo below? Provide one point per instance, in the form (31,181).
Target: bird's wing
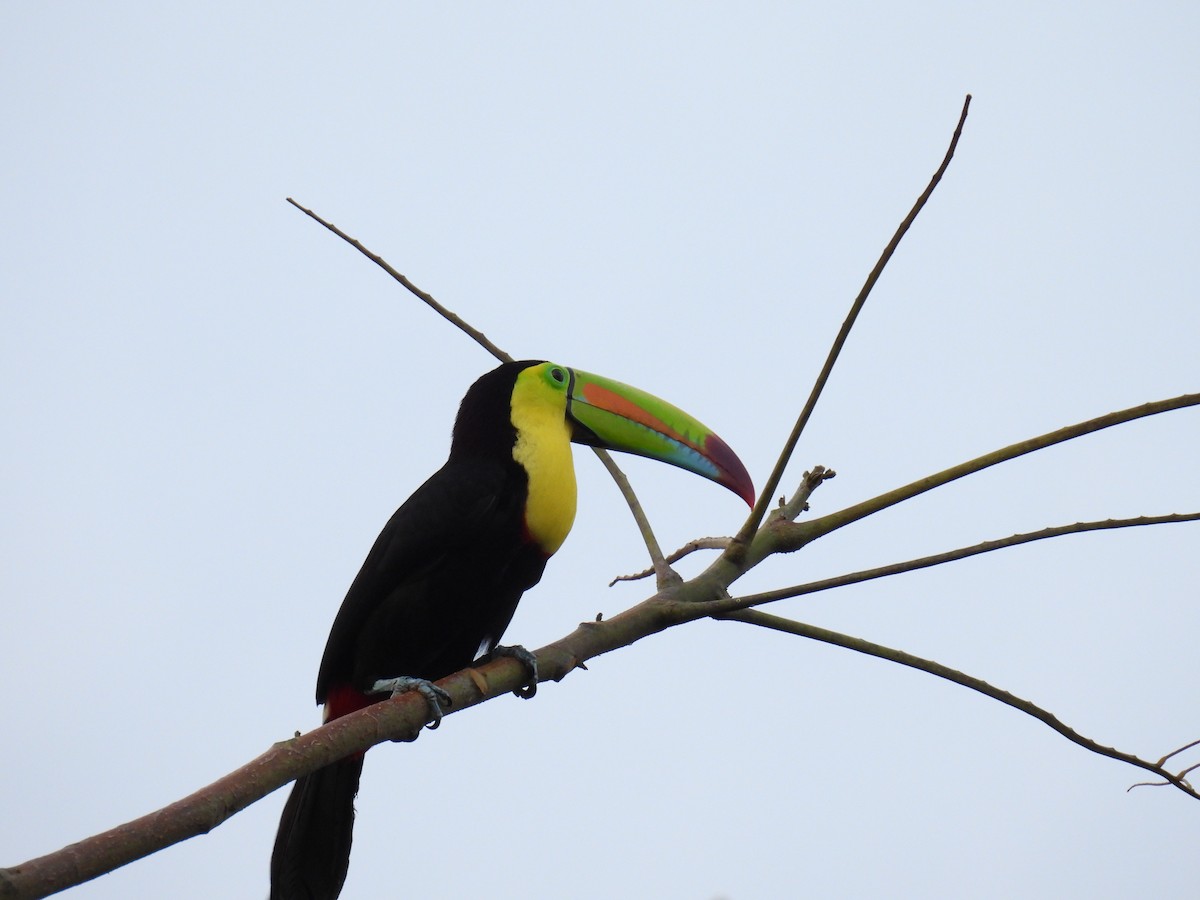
(459,506)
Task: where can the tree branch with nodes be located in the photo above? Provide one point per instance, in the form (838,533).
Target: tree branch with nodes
(677,601)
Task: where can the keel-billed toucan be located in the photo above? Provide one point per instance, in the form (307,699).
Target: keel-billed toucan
(443,579)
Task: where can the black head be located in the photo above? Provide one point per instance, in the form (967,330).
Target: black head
(484,425)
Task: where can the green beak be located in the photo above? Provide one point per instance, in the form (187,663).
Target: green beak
(606,413)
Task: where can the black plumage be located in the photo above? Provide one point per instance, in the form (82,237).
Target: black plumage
(440,585)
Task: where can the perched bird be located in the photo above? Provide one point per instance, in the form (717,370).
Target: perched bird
(443,579)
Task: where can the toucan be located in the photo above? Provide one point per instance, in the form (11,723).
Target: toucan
(442,581)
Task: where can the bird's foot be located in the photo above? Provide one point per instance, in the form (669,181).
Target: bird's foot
(519,653)
(434,695)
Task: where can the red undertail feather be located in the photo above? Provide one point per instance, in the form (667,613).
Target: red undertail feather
(342,699)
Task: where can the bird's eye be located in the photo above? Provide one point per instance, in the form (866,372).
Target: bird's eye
(558,375)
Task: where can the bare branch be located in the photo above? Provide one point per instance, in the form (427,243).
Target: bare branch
(1163,761)
(801,629)
(705,543)
(737,548)
(474,333)
(792,537)
(1138,784)
(398,719)
(798,502)
(938,559)
(664,573)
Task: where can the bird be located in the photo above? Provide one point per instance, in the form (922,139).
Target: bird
(442,581)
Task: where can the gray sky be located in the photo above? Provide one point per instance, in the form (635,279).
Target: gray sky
(212,406)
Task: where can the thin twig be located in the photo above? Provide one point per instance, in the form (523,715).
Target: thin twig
(475,334)
(664,573)
(814,528)
(938,559)
(705,543)
(788,626)
(737,548)
(1163,761)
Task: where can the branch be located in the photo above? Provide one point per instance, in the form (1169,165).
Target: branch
(398,719)
(793,537)
(663,572)
(938,559)
(704,543)
(790,509)
(737,548)
(474,333)
(788,626)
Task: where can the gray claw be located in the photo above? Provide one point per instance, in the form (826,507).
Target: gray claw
(519,653)
(434,695)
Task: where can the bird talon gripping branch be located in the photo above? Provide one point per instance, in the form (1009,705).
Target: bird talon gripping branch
(443,579)
(523,656)
(404,684)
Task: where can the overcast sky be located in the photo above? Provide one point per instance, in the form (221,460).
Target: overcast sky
(212,405)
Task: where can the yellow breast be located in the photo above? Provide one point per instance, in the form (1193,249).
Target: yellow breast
(543,448)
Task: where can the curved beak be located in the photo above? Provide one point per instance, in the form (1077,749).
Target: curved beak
(606,413)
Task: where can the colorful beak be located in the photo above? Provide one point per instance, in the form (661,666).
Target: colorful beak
(606,413)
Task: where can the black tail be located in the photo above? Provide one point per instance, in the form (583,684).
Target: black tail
(312,848)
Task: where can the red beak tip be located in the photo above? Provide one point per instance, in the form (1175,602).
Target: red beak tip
(743,488)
